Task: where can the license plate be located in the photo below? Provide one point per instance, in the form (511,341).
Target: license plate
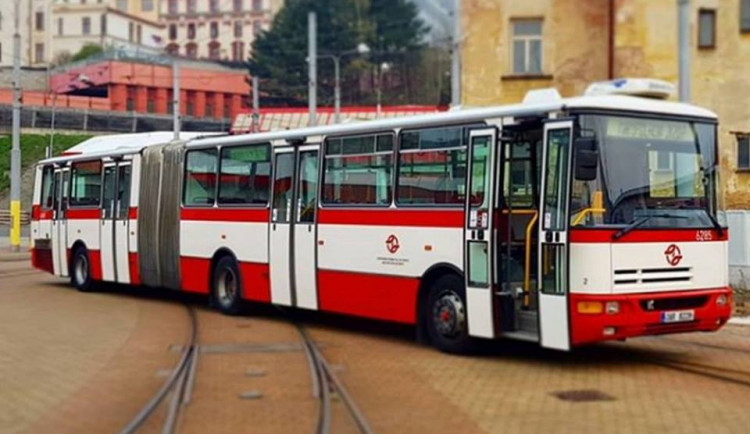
(677,316)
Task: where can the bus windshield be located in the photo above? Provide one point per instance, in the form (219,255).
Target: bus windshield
(658,173)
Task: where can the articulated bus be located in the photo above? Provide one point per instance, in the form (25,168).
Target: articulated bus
(558,221)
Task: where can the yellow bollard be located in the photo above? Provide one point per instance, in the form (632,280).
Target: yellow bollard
(15,225)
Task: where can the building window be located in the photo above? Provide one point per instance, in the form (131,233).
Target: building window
(173,49)
(257,28)
(103,24)
(191,8)
(213,6)
(191,50)
(172,6)
(147,5)
(139,34)
(191,31)
(238,29)
(257,5)
(237,51)
(245,171)
(200,177)
(214,50)
(527,46)
(1,20)
(745,15)
(86,25)
(706,28)
(131,32)
(59,27)
(743,152)
(122,5)
(39,53)
(173,31)
(237,5)
(39,21)
(358,170)
(214,30)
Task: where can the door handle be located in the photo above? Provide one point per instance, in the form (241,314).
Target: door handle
(273,227)
(309,228)
(480,234)
(548,237)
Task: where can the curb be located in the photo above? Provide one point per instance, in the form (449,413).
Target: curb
(740,320)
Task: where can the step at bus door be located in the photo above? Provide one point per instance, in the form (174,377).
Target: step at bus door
(553,236)
(478,229)
(59,233)
(280,240)
(305,233)
(114,223)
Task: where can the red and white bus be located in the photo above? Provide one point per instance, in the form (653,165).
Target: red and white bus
(559,221)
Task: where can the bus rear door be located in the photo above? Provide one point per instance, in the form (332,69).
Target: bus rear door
(553,236)
(114,223)
(59,222)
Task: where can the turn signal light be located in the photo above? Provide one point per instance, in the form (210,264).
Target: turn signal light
(590,307)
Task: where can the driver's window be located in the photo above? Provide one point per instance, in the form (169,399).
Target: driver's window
(307,186)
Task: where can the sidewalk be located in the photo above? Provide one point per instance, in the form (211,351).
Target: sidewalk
(6,255)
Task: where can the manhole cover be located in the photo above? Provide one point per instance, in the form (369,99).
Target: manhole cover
(582,395)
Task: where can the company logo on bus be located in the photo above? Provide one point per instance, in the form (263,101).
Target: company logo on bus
(391,243)
(673,255)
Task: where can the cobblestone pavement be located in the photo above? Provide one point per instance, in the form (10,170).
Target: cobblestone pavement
(76,362)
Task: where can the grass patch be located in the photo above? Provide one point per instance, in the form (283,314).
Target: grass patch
(33,147)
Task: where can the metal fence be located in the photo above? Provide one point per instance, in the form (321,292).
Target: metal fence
(103,121)
(5,217)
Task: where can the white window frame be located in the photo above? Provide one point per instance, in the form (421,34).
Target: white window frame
(526,39)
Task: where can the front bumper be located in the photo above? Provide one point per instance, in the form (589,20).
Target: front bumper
(641,314)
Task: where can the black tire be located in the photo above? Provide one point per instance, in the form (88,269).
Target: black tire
(445,315)
(80,270)
(226,286)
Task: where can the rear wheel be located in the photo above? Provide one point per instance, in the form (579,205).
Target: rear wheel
(445,315)
(80,270)
(227,286)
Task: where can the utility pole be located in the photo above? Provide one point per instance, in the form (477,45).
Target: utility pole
(256,105)
(456,55)
(312,63)
(15,153)
(683,35)
(176,98)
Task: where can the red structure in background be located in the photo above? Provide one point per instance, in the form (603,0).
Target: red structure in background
(212,92)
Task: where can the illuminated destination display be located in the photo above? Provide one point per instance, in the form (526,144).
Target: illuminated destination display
(646,129)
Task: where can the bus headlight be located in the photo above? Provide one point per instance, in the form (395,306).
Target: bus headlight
(612,308)
(721,300)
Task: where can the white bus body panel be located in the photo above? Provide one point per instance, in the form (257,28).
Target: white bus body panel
(280,271)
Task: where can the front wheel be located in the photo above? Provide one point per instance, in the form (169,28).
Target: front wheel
(445,315)
(227,286)
(80,271)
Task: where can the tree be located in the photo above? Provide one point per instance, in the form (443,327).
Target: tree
(391,28)
(88,50)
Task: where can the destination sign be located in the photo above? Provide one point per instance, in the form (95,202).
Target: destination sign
(647,129)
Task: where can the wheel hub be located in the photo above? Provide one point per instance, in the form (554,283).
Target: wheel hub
(227,287)
(449,315)
(81,270)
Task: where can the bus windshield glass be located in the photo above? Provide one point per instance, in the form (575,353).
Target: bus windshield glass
(658,173)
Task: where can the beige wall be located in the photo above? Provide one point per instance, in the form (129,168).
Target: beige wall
(576,53)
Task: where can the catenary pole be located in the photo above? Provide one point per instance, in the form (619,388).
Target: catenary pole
(312,62)
(176,98)
(256,105)
(683,34)
(15,153)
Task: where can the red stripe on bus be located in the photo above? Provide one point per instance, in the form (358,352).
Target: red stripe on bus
(646,235)
(393,217)
(256,283)
(195,274)
(135,271)
(41,259)
(389,298)
(225,214)
(133,213)
(83,214)
(95,263)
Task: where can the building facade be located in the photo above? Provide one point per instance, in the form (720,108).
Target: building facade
(511,47)
(7,29)
(215,29)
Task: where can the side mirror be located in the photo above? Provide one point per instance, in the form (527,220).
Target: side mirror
(586,158)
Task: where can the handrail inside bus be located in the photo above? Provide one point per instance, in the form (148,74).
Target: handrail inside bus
(527,260)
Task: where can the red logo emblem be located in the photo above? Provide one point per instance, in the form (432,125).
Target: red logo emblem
(673,255)
(391,243)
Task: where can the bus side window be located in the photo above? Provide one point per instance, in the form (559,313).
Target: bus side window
(48,179)
(200,177)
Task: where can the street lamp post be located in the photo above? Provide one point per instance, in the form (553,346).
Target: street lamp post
(361,49)
(384,67)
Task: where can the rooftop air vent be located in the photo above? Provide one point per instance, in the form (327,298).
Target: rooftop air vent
(643,87)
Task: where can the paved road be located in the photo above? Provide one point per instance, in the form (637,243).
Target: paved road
(73,362)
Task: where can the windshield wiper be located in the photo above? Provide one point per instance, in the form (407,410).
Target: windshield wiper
(637,223)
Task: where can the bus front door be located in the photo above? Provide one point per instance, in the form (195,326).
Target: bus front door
(553,236)
(59,233)
(114,223)
(293,235)
(478,230)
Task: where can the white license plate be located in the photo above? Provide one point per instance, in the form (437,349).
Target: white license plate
(678,316)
